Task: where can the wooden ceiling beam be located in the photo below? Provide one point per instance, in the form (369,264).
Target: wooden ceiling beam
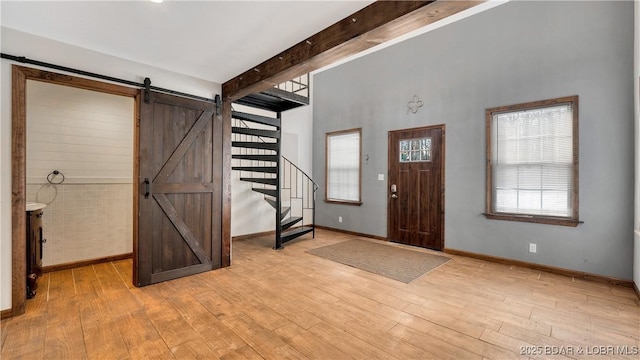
(379,22)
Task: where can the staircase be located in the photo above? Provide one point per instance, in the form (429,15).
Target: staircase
(256,154)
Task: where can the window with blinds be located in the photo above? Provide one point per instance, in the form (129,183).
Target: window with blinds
(343,171)
(532,165)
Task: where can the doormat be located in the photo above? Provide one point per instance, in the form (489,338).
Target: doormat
(386,260)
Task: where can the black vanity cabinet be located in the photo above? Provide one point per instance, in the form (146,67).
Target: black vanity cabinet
(34,250)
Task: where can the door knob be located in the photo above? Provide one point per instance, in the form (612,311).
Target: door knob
(394,196)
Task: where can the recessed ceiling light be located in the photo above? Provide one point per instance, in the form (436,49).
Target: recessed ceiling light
(156,1)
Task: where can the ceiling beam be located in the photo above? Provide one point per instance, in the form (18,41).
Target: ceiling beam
(377,23)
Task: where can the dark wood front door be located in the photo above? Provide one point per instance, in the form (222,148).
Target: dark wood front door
(179,201)
(416,187)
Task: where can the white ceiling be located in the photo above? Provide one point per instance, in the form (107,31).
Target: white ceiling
(211,40)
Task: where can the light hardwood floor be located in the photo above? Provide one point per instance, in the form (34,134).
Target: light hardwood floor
(290,304)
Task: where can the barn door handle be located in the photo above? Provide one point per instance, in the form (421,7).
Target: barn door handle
(147,187)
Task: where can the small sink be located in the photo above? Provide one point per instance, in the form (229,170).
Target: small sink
(33,206)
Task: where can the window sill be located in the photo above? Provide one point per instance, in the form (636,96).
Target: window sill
(343,202)
(534,219)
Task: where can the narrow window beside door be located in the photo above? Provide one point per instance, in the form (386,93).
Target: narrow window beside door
(343,172)
(532,162)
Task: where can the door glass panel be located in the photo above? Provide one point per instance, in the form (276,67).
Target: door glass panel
(415,150)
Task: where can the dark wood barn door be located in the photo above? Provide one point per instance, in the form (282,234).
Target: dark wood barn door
(416,187)
(179,204)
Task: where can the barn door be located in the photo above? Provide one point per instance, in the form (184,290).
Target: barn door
(179,204)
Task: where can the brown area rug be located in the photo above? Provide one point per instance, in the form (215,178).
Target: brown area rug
(389,261)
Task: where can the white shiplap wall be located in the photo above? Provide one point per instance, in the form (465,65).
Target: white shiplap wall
(86,135)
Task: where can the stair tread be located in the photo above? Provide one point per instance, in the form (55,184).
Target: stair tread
(285,209)
(300,229)
(255,145)
(256,118)
(268,181)
(256,157)
(289,222)
(271,202)
(263,169)
(270,192)
(274,99)
(256,132)
(295,233)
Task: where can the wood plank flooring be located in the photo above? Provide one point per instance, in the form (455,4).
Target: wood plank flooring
(292,305)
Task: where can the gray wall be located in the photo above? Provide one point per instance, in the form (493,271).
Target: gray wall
(636,239)
(518,52)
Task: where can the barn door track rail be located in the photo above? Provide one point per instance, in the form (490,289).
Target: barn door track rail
(146,85)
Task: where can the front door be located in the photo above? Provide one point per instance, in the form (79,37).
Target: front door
(178,199)
(416,187)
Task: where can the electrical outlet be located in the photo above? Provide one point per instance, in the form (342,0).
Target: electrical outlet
(532,248)
(339,218)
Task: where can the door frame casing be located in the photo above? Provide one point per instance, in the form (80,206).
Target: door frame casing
(442,128)
(20,75)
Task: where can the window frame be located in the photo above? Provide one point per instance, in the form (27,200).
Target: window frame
(572,220)
(326,167)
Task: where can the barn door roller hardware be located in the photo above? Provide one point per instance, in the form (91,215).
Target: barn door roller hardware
(146,87)
(218,104)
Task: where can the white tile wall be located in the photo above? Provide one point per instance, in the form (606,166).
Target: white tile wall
(84,221)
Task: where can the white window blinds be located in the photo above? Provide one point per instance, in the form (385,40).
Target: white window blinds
(532,157)
(343,166)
